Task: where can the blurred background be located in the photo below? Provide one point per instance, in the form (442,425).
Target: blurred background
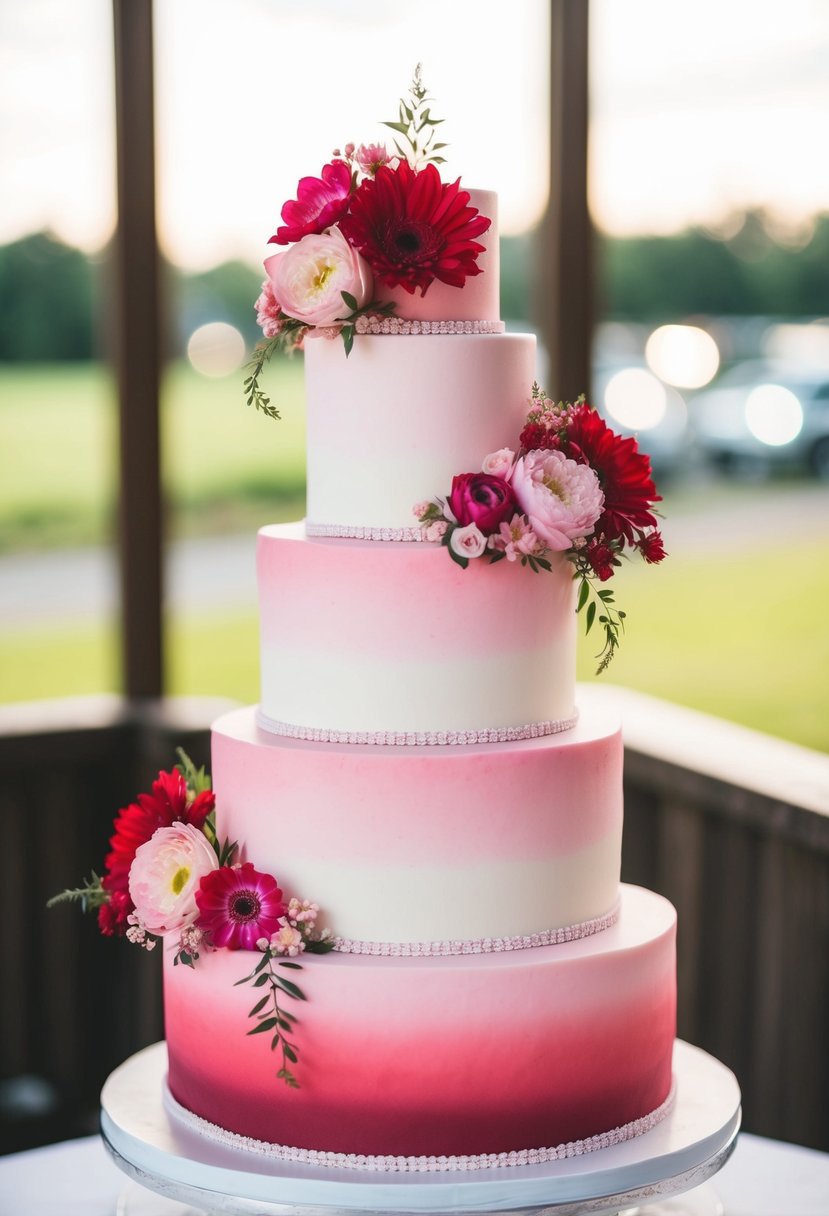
(709,190)
(708,186)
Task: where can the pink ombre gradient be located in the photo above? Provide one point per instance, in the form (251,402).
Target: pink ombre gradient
(368,636)
(405,844)
(489,1053)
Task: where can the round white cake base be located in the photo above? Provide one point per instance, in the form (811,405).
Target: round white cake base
(689,1145)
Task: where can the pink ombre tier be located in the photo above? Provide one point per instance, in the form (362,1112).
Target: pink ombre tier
(363,636)
(430,844)
(489,1053)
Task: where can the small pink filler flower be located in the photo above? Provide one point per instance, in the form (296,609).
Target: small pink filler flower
(238,906)
(269,311)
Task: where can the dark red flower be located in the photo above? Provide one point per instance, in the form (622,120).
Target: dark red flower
(624,473)
(602,559)
(238,905)
(652,547)
(412,228)
(112,916)
(482,499)
(319,203)
(135,824)
(537,438)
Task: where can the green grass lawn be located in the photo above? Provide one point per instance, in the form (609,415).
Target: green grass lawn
(741,635)
(223,464)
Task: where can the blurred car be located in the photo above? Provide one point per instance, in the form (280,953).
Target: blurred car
(635,402)
(761,415)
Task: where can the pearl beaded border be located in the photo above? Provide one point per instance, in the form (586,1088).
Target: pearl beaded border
(356,532)
(483,945)
(400,325)
(432,1165)
(415,738)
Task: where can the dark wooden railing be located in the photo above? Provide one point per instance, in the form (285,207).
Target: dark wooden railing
(732,826)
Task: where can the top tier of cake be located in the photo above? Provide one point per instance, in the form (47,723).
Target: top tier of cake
(390,424)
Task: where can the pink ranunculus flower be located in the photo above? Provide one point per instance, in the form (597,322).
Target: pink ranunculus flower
(268,311)
(310,277)
(481,499)
(499,464)
(561,498)
(468,542)
(165,876)
(319,203)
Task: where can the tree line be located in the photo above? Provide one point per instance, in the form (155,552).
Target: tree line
(52,297)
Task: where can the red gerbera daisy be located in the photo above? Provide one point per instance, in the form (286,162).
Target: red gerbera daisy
(136,823)
(238,905)
(412,228)
(319,203)
(624,474)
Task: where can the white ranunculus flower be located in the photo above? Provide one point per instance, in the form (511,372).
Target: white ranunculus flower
(310,277)
(165,875)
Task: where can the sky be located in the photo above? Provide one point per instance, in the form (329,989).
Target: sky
(697,109)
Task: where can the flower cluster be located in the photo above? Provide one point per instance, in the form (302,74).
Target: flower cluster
(371,220)
(574,487)
(168,876)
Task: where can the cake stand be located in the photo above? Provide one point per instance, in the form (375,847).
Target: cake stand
(181,1173)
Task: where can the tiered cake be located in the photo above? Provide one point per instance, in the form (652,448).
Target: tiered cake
(418,767)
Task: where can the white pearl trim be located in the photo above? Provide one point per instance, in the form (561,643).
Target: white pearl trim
(415,738)
(406,328)
(483,1161)
(357,532)
(484,945)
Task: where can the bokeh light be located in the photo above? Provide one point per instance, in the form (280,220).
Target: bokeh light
(216,349)
(636,399)
(774,414)
(683,355)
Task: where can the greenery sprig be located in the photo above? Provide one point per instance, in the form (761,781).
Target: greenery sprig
(254,394)
(611,618)
(90,896)
(416,127)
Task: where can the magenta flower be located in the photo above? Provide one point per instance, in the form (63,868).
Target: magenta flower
(319,203)
(238,905)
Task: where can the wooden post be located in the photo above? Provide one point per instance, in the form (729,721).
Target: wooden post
(138,352)
(564,281)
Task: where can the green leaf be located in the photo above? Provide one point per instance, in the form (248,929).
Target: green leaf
(350,301)
(289,1052)
(262,964)
(260,1005)
(283,1024)
(463,562)
(591,616)
(607,595)
(264,1025)
(291,988)
(584,594)
(348,338)
(292,966)
(260,980)
(402,127)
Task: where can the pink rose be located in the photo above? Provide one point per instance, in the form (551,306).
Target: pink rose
(165,876)
(480,499)
(319,203)
(468,541)
(561,498)
(310,277)
(499,464)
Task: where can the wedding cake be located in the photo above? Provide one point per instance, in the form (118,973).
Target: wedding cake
(417,777)
(417,764)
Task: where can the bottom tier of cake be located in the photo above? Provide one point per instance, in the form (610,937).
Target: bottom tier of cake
(460,1056)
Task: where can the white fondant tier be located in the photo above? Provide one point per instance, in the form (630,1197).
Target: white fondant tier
(430,845)
(391,424)
(366,637)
